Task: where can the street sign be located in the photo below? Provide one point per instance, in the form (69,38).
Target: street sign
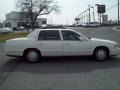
(101,9)
(105,18)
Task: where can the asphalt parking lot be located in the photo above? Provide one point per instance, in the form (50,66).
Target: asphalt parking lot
(66,73)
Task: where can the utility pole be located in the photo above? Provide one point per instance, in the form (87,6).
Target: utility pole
(68,22)
(85,16)
(93,14)
(82,18)
(118,13)
(51,21)
(100,18)
(89,13)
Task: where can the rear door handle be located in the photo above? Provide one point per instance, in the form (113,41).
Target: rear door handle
(41,44)
(67,44)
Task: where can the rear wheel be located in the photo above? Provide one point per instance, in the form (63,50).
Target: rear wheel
(101,54)
(32,56)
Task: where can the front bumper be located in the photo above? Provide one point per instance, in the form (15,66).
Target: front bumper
(115,51)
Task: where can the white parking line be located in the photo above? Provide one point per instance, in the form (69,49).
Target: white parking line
(114,29)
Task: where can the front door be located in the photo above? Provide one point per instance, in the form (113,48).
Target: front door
(73,46)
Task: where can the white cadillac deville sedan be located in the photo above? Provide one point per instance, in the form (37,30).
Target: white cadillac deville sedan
(59,42)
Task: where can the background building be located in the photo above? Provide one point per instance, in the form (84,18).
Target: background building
(18,19)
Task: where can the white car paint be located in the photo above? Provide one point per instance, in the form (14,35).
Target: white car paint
(48,48)
(16,47)
(6,30)
(92,24)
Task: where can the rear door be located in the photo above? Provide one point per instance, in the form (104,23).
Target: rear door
(49,43)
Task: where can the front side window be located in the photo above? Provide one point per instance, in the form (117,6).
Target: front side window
(49,35)
(70,35)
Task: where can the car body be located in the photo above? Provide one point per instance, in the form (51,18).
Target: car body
(6,30)
(54,27)
(59,42)
(92,24)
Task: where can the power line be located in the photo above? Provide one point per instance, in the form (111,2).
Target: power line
(106,10)
(112,7)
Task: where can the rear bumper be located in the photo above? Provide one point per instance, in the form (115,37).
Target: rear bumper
(115,51)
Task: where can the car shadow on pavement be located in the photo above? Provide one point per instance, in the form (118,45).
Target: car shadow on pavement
(62,65)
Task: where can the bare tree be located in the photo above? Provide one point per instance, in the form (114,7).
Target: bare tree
(35,8)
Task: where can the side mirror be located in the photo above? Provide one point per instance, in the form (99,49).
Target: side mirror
(81,38)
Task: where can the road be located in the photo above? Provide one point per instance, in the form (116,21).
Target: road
(68,73)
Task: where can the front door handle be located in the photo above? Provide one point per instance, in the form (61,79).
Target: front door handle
(41,44)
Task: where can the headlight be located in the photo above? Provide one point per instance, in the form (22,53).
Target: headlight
(117,46)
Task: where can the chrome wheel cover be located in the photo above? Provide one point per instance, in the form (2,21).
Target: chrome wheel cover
(101,55)
(32,56)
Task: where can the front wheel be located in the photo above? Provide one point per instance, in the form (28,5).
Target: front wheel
(32,56)
(101,54)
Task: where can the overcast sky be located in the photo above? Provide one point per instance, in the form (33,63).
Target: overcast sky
(69,9)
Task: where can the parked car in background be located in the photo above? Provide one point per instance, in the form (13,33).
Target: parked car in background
(60,42)
(19,28)
(6,30)
(43,25)
(92,24)
(84,25)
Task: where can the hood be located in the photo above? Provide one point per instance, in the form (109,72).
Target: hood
(102,40)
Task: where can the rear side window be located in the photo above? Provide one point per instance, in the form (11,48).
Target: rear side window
(49,35)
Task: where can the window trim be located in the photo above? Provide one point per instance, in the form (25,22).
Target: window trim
(69,40)
(49,40)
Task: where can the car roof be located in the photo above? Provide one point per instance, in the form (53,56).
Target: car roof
(54,29)
(38,30)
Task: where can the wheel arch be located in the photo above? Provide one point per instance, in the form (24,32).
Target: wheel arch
(103,47)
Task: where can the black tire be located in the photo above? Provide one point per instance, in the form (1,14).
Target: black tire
(32,56)
(101,54)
